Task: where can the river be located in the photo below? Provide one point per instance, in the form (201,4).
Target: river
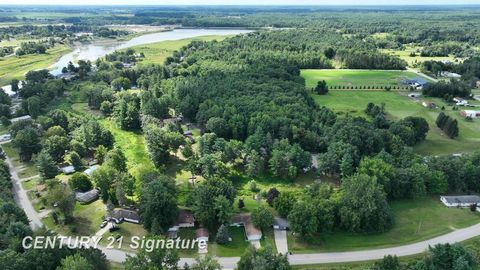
(94,50)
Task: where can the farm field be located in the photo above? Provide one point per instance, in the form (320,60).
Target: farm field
(16,67)
(156,53)
(351,77)
(415,220)
(398,106)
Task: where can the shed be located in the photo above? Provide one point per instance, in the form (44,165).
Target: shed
(87,197)
(25,117)
(67,169)
(90,170)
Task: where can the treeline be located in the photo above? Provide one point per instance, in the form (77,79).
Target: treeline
(448,124)
(32,48)
(447,89)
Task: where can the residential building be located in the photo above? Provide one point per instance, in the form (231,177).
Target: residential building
(460,201)
(87,197)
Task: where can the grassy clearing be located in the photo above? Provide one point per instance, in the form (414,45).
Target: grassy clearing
(415,60)
(30,184)
(16,67)
(400,106)
(351,77)
(24,169)
(415,220)
(157,52)
(127,231)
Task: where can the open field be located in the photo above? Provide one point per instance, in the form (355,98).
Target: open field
(415,60)
(415,220)
(16,67)
(351,77)
(157,52)
(400,106)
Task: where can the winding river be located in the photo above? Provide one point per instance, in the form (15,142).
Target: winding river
(94,50)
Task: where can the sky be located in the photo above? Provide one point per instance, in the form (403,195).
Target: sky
(238,2)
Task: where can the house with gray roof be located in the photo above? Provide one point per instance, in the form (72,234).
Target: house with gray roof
(460,201)
(87,197)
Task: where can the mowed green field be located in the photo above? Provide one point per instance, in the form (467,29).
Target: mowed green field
(156,53)
(415,220)
(16,67)
(399,106)
(351,77)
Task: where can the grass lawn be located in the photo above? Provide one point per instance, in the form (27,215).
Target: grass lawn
(16,67)
(157,52)
(352,77)
(232,249)
(88,218)
(24,169)
(415,220)
(30,184)
(400,106)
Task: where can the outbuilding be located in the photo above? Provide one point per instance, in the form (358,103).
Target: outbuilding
(87,197)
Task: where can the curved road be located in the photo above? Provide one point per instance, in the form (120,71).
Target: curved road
(295,259)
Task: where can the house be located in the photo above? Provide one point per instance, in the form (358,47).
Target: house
(460,101)
(478,84)
(5,137)
(120,215)
(470,113)
(185,219)
(67,169)
(417,83)
(21,118)
(460,201)
(429,105)
(252,233)
(281,224)
(450,74)
(202,234)
(127,65)
(8,90)
(90,170)
(414,95)
(87,197)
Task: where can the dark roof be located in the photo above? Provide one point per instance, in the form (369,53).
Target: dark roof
(86,197)
(469,199)
(201,232)
(125,214)
(185,216)
(420,81)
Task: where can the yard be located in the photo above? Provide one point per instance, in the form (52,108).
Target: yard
(398,106)
(359,78)
(415,220)
(413,61)
(232,249)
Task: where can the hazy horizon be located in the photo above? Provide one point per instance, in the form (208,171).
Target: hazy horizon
(237,3)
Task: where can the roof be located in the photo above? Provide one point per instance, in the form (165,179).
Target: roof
(246,220)
(185,216)
(281,222)
(469,199)
(86,197)
(418,80)
(201,232)
(68,169)
(90,170)
(125,214)
(25,117)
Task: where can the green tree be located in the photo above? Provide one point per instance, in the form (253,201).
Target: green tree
(388,262)
(46,165)
(262,217)
(61,197)
(206,263)
(158,258)
(34,106)
(223,235)
(284,203)
(158,200)
(56,146)
(27,141)
(364,207)
(116,159)
(321,88)
(302,218)
(75,160)
(75,262)
(80,181)
(262,259)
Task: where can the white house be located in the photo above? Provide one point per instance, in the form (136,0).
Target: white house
(470,113)
(460,101)
(460,201)
(5,137)
(450,74)
(90,170)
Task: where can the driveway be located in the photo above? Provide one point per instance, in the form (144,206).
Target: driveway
(281,241)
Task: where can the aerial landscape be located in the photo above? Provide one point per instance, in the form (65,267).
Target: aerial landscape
(240,135)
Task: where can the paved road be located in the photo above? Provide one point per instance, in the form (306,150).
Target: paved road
(295,259)
(281,241)
(21,198)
